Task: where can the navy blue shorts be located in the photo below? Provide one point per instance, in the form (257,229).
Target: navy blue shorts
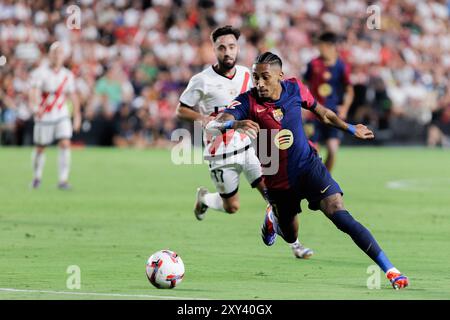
(313,185)
(322,132)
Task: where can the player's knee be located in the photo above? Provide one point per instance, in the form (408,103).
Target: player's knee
(40,149)
(334,207)
(64,144)
(331,206)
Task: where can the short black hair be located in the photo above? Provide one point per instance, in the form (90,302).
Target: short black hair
(329,37)
(221,31)
(269,58)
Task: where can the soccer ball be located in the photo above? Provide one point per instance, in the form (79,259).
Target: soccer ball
(165,269)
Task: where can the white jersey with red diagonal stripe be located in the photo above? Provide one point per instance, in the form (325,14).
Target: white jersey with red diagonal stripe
(208,93)
(54,86)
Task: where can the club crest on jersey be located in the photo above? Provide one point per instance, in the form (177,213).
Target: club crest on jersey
(284,139)
(325,90)
(278,114)
(233,104)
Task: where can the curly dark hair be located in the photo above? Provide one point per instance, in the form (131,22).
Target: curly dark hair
(221,31)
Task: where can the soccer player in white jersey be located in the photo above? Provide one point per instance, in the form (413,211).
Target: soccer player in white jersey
(50,86)
(230,154)
(206,95)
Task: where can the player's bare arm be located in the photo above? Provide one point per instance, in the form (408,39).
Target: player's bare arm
(33,98)
(330,118)
(185,112)
(348,99)
(76,112)
(226,121)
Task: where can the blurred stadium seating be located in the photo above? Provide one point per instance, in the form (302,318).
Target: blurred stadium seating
(132,59)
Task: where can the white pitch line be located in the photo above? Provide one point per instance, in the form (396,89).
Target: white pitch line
(97,294)
(399,184)
(423,184)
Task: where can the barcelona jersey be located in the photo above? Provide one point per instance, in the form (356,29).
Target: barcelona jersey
(282,130)
(327,83)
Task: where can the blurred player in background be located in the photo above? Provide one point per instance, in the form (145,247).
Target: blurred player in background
(328,77)
(275,104)
(230,154)
(51,84)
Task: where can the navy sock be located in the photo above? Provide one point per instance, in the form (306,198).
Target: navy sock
(362,237)
(383,261)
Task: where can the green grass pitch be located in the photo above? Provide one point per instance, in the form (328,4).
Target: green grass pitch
(127,204)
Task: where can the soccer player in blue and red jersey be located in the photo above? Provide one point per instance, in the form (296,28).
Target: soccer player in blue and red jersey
(275,105)
(328,77)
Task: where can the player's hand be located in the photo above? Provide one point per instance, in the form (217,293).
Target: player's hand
(248,127)
(38,112)
(206,119)
(362,132)
(76,123)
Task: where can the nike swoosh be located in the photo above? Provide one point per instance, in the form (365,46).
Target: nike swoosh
(323,191)
(260,110)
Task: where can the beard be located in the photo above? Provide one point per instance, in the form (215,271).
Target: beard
(227,64)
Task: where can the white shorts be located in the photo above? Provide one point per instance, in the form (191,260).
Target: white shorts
(45,133)
(225,172)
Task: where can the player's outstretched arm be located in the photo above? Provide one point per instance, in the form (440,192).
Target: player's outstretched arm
(33,102)
(76,112)
(348,99)
(330,118)
(226,121)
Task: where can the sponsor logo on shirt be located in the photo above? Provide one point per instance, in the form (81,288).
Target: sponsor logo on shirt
(284,139)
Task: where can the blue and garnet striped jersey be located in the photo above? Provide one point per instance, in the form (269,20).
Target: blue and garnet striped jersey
(284,134)
(327,83)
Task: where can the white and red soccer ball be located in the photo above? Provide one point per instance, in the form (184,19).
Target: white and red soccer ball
(165,269)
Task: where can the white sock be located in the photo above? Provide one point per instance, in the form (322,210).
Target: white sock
(393,270)
(38,161)
(214,201)
(295,244)
(64,164)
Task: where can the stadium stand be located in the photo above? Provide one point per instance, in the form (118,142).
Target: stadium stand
(133,58)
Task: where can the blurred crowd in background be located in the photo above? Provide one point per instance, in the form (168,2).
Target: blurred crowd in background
(132,60)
